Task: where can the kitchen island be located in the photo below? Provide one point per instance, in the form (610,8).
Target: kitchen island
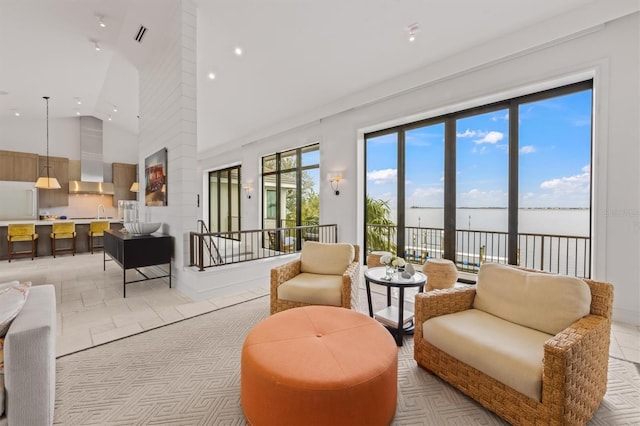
(132,251)
(43,229)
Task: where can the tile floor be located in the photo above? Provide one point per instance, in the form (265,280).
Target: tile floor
(91,309)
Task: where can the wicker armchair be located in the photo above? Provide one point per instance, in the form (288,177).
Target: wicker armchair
(574,371)
(318,258)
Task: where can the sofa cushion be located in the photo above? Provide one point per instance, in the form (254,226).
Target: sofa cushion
(1,376)
(315,289)
(325,258)
(12,299)
(545,302)
(508,352)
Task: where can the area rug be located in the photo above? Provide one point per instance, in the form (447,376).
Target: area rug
(188,373)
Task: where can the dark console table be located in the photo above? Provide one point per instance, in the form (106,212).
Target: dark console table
(136,251)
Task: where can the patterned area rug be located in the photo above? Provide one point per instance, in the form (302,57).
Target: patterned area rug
(188,373)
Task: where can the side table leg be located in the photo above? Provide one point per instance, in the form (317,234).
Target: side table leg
(368,285)
(400,317)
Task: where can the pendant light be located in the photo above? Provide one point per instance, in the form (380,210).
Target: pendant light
(46,181)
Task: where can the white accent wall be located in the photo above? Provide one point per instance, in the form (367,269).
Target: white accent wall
(552,56)
(168,120)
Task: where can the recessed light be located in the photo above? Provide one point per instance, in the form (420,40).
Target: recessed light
(17,114)
(211,76)
(115,108)
(77,112)
(109,118)
(413,30)
(238,51)
(79,101)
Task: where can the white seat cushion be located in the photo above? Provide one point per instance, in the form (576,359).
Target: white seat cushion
(510,353)
(315,289)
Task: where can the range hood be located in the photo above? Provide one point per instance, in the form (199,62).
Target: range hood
(91,165)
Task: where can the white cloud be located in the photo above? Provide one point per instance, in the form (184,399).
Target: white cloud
(528,149)
(467,134)
(431,196)
(492,137)
(380,177)
(569,185)
(500,117)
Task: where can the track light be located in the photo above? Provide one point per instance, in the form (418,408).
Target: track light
(97,45)
(101,22)
(413,30)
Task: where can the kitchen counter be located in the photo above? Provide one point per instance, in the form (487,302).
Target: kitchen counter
(78,221)
(43,229)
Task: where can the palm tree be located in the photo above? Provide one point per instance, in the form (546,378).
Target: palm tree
(381,230)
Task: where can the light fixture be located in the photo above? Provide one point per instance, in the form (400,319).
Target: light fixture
(17,114)
(77,112)
(101,21)
(247,189)
(238,51)
(97,45)
(135,187)
(115,108)
(47,182)
(413,30)
(335,178)
(109,117)
(212,76)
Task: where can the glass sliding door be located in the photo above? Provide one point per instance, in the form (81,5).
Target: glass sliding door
(482,188)
(424,192)
(224,200)
(381,213)
(555,183)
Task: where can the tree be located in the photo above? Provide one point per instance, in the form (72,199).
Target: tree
(381,230)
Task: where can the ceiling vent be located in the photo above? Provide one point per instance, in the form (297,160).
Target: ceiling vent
(141,33)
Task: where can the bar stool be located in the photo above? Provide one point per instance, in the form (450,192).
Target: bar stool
(63,231)
(22,232)
(96,229)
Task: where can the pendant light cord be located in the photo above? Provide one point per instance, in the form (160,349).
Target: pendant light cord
(48,177)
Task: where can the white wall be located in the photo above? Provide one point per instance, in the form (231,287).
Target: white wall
(30,135)
(168,120)
(609,53)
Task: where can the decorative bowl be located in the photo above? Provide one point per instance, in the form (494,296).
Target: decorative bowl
(142,228)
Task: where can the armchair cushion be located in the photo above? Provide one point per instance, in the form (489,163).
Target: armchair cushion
(553,302)
(508,352)
(327,259)
(314,289)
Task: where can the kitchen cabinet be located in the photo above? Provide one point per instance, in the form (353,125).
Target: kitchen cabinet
(123,176)
(18,166)
(60,170)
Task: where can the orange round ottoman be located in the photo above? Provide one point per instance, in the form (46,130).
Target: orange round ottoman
(319,365)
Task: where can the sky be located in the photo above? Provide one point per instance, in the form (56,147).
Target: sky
(554,158)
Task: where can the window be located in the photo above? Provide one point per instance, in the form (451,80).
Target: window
(508,182)
(224,200)
(291,188)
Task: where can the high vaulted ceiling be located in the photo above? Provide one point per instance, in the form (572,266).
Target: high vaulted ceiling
(297,54)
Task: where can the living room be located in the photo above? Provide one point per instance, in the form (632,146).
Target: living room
(595,40)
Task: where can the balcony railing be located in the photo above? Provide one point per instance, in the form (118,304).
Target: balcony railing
(208,249)
(564,254)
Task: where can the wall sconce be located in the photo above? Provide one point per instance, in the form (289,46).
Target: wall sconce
(334,179)
(135,187)
(247,189)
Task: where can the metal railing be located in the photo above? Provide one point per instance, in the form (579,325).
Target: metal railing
(241,246)
(563,254)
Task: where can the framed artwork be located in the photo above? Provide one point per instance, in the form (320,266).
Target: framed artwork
(155,175)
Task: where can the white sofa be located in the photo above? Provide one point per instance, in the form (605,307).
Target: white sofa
(530,346)
(30,361)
